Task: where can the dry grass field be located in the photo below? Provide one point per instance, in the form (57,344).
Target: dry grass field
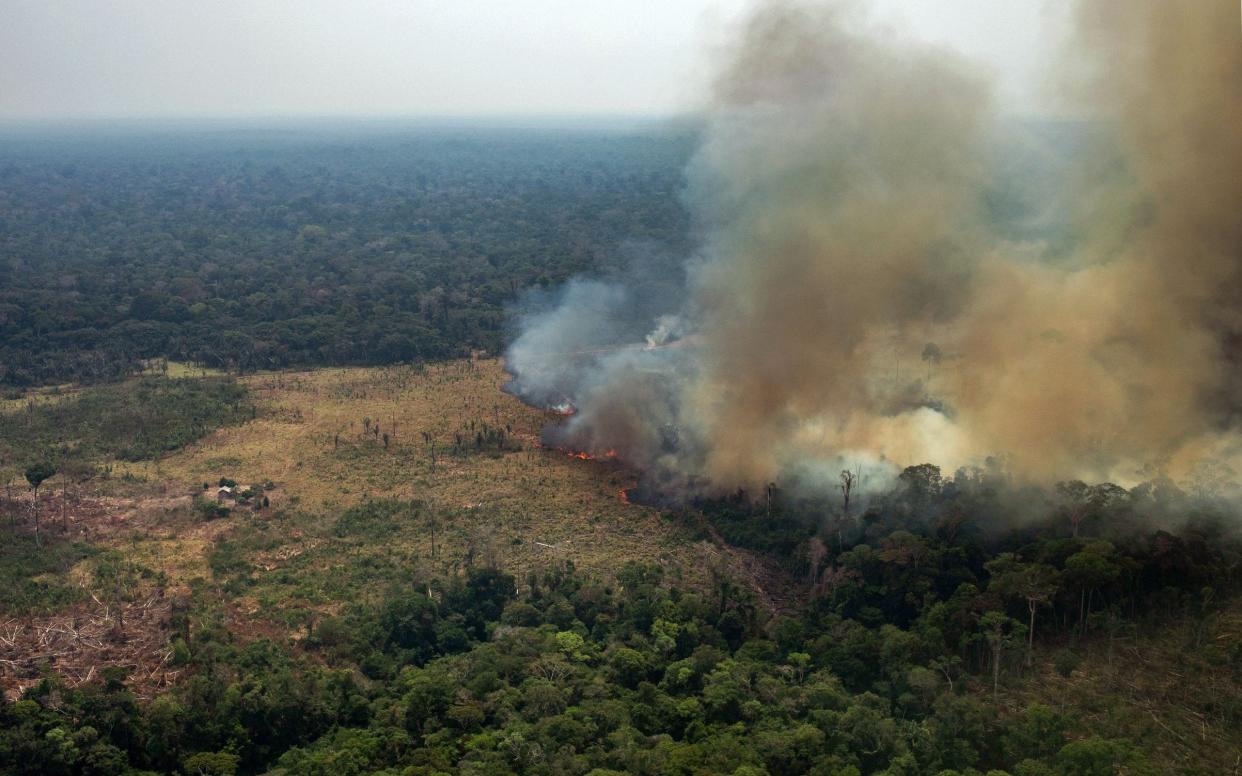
(313,444)
(526,505)
(20,400)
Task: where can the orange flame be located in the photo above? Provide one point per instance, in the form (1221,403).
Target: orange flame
(585,456)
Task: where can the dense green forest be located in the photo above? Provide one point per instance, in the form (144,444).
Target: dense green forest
(909,658)
(131,421)
(281,245)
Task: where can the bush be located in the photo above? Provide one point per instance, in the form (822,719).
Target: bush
(206,509)
(1065,662)
(376,519)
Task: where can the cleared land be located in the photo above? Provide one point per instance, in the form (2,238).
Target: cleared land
(315,439)
(460,480)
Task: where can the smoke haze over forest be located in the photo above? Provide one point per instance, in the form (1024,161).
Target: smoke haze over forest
(857,297)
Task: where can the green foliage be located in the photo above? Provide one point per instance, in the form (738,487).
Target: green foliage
(212,764)
(34,577)
(1065,662)
(37,473)
(1038,734)
(1095,756)
(631,694)
(772,527)
(208,509)
(120,577)
(376,519)
(228,563)
(132,421)
(896,665)
(307,246)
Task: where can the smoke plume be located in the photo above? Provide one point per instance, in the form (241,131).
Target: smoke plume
(860,297)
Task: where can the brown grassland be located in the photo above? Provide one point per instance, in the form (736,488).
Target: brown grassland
(524,506)
(313,443)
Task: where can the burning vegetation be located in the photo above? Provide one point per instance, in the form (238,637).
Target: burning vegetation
(859,297)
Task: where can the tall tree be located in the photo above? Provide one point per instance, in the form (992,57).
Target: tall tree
(1000,632)
(847,486)
(36,474)
(1073,500)
(1034,583)
(1091,568)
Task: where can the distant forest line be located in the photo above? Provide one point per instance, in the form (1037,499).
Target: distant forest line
(265,248)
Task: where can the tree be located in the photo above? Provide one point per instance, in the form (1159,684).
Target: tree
(8,493)
(847,485)
(1107,497)
(1000,631)
(1097,756)
(1037,733)
(630,666)
(1090,569)
(1035,583)
(949,665)
(431,448)
(35,475)
(211,764)
(921,483)
(1074,501)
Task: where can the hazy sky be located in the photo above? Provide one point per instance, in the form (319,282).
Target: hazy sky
(146,58)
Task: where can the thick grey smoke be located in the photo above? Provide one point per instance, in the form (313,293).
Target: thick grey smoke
(857,298)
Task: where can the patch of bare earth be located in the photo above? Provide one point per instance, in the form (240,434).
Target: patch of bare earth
(80,643)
